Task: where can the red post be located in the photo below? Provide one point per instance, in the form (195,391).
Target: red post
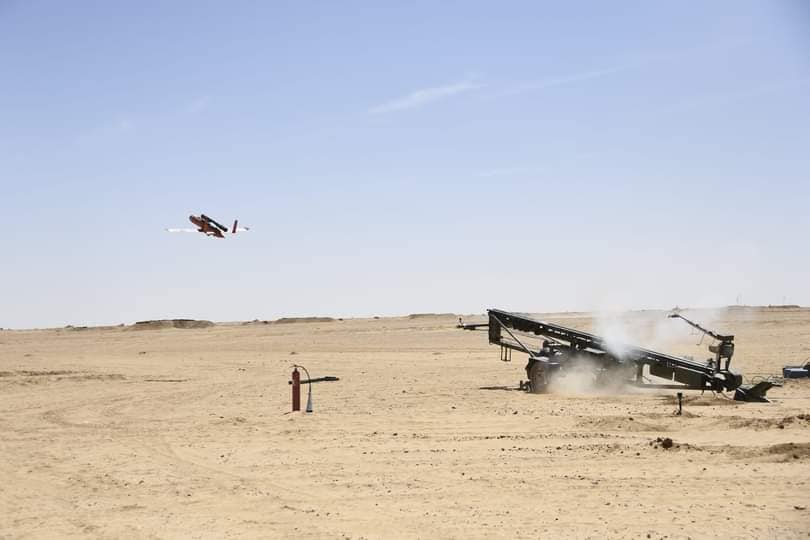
(296,390)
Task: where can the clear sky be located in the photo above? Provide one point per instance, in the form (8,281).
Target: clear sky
(398,157)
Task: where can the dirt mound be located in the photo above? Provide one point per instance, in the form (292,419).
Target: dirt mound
(620,423)
(780,452)
(429,315)
(44,373)
(290,320)
(790,450)
(171,323)
(28,373)
(757,424)
(31,377)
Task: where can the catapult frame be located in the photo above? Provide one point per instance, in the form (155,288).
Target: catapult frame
(553,349)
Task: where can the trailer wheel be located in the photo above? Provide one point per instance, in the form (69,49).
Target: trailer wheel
(538,379)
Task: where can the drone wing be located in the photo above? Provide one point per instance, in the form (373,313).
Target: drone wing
(242,229)
(182,230)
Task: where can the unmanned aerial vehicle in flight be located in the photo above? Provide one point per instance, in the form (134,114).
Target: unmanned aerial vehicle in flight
(209,227)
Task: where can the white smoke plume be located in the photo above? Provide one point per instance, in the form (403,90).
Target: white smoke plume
(655,330)
(650,329)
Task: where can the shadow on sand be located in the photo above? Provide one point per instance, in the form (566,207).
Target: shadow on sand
(506,388)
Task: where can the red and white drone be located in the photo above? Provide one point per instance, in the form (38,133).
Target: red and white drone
(209,227)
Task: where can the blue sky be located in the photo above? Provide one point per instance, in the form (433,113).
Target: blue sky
(395,157)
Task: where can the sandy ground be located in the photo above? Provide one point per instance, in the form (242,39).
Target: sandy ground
(116,433)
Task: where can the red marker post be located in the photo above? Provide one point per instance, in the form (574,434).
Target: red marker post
(296,390)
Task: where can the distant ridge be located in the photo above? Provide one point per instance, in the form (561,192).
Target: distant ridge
(170,323)
(290,320)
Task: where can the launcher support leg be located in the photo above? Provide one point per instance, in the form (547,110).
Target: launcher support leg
(506,354)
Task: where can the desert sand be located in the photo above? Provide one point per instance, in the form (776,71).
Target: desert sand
(169,432)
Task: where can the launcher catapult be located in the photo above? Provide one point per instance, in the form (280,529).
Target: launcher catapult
(554,349)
